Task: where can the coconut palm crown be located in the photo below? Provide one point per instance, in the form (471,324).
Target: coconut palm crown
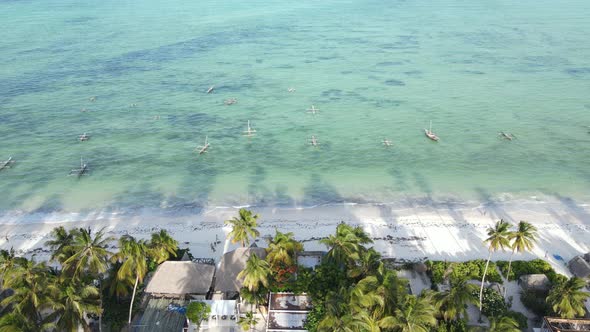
(567,299)
(243,227)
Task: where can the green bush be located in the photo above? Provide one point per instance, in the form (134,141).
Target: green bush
(535,302)
(459,325)
(493,304)
(197,312)
(519,318)
(519,268)
(314,317)
(473,270)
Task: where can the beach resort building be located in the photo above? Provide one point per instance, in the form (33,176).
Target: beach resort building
(181,279)
(580,266)
(170,289)
(310,259)
(287,312)
(565,325)
(227,284)
(222,318)
(536,282)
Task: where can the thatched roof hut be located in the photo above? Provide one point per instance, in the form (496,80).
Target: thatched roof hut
(178,279)
(534,282)
(579,267)
(232,263)
(551,324)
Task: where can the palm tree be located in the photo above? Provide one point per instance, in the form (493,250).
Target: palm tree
(283,249)
(497,239)
(60,244)
(346,245)
(368,322)
(453,303)
(73,301)
(415,315)
(17,322)
(32,286)
(368,263)
(243,227)
(522,240)
(162,246)
(255,273)
(249,321)
(346,323)
(89,255)
(132,255)
(567,299)
(8,260)
(503,324)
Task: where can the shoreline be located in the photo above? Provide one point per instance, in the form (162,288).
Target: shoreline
(407,230)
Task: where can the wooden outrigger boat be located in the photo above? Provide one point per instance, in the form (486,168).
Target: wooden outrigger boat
(6,164)
(84,137)
(211,88)
(230,101)
(430,134)
(249,132)
(314,141)
(313,110)
(203,149)
(83,170)
(507,136)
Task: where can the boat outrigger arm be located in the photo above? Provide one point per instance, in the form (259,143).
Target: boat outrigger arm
(203,148)
(83,170)
(6,164)
(314,141)
(507,136)
(249,131)
(313,110)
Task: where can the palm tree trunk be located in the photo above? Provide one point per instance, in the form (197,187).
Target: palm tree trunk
(101,309)
(509,266)
(485,270)
(133,298)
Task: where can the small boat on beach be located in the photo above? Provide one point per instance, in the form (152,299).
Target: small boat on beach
(203,149)
(430,134)
(6,164)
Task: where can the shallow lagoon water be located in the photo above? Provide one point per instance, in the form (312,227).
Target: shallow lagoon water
(376,70)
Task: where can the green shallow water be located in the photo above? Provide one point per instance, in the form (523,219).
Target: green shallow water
(376,69)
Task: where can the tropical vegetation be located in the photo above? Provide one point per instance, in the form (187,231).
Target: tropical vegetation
(351,289)
(60,294)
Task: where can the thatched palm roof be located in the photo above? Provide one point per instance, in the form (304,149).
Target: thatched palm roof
(579,267)
(232,263)
(535,281)
(180,278)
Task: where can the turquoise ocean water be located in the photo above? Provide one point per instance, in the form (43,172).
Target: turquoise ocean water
(376,69)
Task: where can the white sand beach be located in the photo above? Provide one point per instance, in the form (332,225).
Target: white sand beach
(409,230)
